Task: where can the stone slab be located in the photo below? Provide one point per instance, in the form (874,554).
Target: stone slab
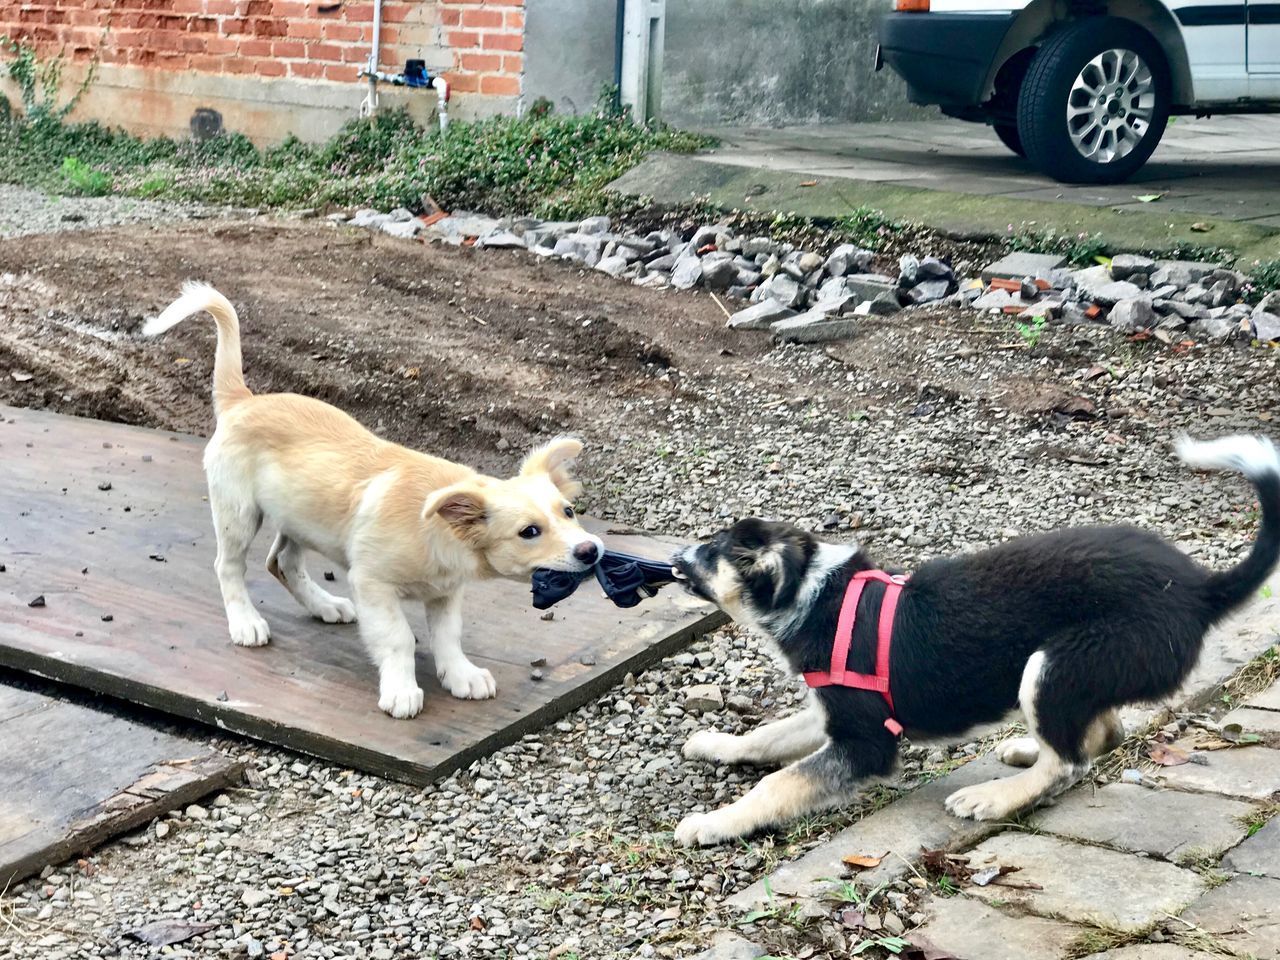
(970,930)
(1252,772)
(814,327)
(1166,823)
(1244,914)
(900,830)
(1082,884)
(1268,699)
(1254,721)
(1154,951)
(1019,264)
(1260,854)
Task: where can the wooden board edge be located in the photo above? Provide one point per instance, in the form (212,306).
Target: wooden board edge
(210,773)
(339,752)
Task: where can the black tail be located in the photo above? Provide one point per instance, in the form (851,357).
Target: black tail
(1257,459)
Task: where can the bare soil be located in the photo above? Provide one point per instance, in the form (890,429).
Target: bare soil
(465,353)
(451,350)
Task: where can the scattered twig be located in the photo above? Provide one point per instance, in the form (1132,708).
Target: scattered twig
(723,308)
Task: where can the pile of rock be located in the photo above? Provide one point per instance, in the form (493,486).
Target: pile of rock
(1173,299)
(803,297)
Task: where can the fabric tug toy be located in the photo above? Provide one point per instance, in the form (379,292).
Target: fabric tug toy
(626,580)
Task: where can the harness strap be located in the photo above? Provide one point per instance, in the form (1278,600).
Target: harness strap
(839,675)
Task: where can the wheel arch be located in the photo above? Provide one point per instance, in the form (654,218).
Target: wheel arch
(1040,18)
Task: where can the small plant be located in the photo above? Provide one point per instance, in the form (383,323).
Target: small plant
(85,180)
(1031,332)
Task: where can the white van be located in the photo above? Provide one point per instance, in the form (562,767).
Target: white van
(1084,89)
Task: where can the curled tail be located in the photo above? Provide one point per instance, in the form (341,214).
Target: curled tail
(1257,459)
(228,367)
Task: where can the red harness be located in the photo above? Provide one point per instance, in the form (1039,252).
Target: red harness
(838,675)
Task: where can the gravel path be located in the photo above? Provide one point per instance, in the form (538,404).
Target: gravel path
(926,436)
(24,211)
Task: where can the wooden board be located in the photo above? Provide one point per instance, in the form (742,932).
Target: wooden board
(73,777)
(142,553)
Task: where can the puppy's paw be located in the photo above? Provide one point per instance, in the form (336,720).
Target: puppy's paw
(247,628)
(710,745)
(1018,751)
(993,800)
(333,609)
(466,681)
(701,830)
(401,702)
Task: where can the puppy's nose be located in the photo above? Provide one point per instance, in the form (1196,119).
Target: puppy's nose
(586,552)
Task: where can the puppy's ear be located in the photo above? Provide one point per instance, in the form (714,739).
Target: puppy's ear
(555,460)
(461,506)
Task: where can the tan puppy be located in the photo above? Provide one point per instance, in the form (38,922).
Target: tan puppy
(406,525)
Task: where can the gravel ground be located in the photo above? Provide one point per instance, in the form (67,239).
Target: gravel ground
(24,211)
(931,434)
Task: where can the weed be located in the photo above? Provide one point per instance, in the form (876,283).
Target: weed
(548,166)
(1101,940)
(38,81)
(1082,249)
(1256,819)
(83,179)
(1032,331)
(1264,275)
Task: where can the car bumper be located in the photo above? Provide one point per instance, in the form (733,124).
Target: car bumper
(945,58)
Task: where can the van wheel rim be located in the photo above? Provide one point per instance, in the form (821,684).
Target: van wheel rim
(1110,106)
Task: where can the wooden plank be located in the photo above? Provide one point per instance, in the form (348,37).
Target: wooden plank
(73,777)
(142,552)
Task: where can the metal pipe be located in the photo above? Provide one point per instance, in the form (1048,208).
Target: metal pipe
(370,103)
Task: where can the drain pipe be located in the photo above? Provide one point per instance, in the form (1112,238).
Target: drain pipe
(370,103)
(619,30)
(441,87)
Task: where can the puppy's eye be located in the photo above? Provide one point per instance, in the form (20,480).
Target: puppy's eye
(568,512)
(530,532)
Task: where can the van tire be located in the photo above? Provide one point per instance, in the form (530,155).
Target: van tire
(1112,135)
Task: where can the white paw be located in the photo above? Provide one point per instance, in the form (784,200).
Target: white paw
(466,681)
(710,745)
(247,627)
(401,702)
(1018,751)
(982,801)
(701,830)
(332,609)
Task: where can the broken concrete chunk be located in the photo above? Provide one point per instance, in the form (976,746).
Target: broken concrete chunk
(1130,316)
(814,327)
(703,698)
(761,315)
(1015,266)
(1125,265)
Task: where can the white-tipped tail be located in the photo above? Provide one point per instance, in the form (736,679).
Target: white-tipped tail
(195,298)
(228,368)
(1255,457)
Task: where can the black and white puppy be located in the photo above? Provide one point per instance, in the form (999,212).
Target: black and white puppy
(1069,626)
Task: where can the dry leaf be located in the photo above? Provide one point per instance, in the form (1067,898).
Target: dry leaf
(852,919)
(164,932)
(808,183)
(1166,755)
(1080,407)
(862,863)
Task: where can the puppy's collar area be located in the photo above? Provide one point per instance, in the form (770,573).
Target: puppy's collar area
(625,579)
(839,675)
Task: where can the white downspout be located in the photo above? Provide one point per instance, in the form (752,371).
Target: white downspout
(370,103)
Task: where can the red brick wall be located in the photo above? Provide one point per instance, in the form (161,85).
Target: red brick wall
(480,43)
